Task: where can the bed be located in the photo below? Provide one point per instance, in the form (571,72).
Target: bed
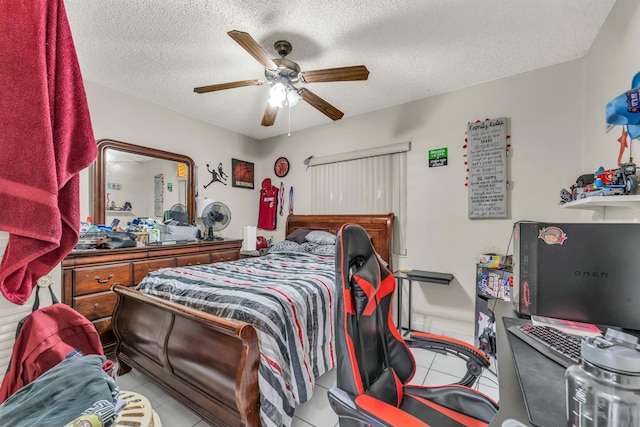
(211,363)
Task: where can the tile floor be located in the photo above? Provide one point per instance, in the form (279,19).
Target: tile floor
(432,369)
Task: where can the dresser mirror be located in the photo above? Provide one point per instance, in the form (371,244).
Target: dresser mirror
(131,181)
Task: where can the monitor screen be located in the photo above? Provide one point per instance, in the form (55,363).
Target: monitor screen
(587,272)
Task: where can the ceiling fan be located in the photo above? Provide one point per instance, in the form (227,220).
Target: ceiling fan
(282,74)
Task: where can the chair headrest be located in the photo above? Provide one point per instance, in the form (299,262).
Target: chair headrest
(359,269)
(355,243)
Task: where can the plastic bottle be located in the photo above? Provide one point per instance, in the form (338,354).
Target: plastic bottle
(604,391)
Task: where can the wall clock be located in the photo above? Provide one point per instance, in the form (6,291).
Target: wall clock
(281,167)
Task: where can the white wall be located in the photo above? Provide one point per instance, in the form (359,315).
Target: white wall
(543,112)
(556,118)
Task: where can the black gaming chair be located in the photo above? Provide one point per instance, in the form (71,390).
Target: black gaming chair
(374,362)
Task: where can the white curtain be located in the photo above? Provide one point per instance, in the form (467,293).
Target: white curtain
(363,185)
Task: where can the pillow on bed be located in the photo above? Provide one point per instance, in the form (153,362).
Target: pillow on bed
(307,247)
(285,246)
(298,235)
(316,249)
(324,250)
(321,237)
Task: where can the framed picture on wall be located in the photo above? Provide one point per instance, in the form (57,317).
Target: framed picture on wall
(242,174)
(182,170)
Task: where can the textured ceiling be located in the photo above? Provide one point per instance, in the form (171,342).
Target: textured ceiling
(159,50)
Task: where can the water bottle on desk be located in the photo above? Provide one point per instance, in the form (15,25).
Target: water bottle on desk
(604,391)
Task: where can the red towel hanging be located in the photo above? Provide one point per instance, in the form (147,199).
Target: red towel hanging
(46,140)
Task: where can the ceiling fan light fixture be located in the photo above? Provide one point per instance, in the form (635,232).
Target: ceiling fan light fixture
(278,93)
(293,97)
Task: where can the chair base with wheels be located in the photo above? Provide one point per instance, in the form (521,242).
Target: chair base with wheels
(476,360)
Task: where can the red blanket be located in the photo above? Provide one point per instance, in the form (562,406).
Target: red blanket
(46,139)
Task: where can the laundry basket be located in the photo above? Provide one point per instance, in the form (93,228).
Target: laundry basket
(137,413)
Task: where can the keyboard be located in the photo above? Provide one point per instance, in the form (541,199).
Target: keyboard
(558,346)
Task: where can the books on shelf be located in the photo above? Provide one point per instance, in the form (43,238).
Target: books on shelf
(568,326)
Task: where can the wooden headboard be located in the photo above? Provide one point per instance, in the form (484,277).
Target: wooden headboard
(379,227)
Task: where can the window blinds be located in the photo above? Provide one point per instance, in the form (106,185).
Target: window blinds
(364,182)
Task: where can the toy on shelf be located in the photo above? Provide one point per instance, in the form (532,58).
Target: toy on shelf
(622,180)
(604,182)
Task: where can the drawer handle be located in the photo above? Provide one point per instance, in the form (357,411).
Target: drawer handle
(97,279)
(96,305)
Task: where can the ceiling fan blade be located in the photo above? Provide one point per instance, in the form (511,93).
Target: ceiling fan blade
(231,85)
(320,104)
(250,45)
(342,74)
(269,117)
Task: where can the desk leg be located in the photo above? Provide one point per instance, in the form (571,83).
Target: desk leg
(409,315)
(399,283)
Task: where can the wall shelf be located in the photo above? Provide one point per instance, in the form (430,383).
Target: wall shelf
(120,213)
(599,203)
(430,276)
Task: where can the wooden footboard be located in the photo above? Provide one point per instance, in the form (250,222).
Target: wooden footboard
(207,363)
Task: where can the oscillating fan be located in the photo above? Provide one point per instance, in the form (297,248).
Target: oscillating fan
(216,216)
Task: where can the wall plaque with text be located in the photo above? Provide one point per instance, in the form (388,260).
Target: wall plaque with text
(158,195)
(487,160)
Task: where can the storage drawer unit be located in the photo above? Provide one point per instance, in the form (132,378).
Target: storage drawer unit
(96,306)
(222,256)
(194,260)
(89,275)
(89,280)
(142,268)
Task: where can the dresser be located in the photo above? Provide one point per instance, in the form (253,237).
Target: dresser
(87,276)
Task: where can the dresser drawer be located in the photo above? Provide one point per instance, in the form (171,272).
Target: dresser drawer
(142,268)
(193,259)
(224,256)
(96,306)
(100,278)
(107,336)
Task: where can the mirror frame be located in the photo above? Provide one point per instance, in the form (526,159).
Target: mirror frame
(99,179)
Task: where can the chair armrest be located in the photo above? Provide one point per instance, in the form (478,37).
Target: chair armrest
(387,415)
(370,410)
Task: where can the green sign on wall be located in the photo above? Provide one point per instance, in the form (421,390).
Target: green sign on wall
(438,157)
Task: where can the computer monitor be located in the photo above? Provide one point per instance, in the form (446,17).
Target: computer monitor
(587,272)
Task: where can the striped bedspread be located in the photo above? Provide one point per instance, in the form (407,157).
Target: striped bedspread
(288,297)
